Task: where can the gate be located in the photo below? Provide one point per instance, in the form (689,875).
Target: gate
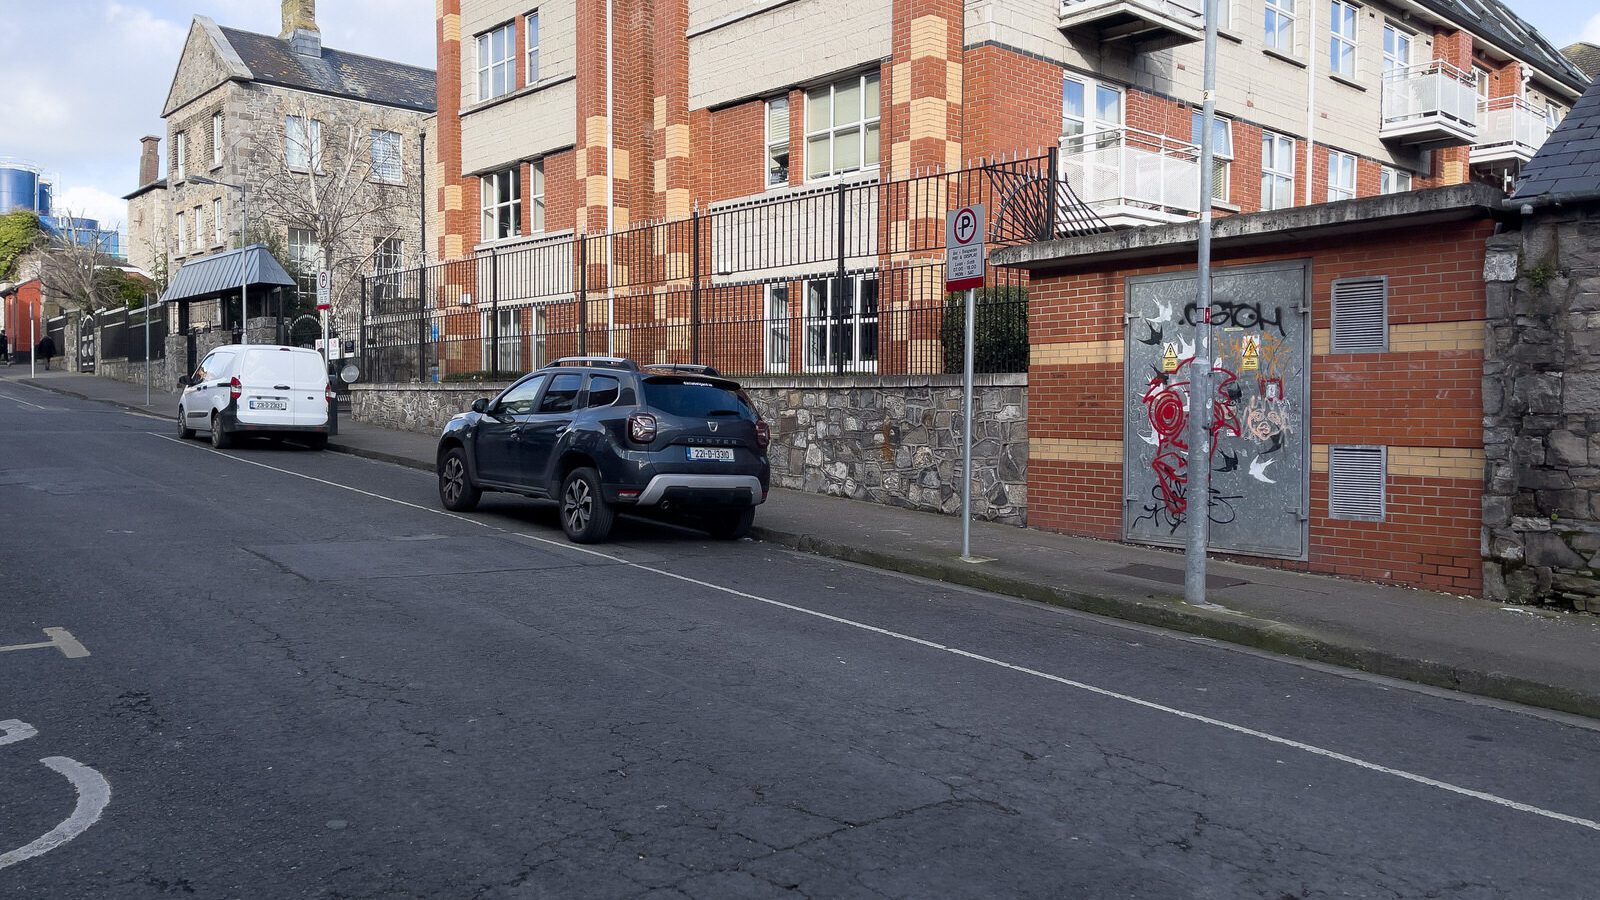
(1260,478)
(86,344)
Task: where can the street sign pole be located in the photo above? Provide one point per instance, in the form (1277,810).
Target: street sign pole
(964,261)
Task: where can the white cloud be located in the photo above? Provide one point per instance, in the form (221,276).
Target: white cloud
(91,203)
(1591,30)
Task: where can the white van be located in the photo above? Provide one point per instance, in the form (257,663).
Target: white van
(260,389)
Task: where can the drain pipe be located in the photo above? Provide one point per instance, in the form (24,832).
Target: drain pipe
(1311,100)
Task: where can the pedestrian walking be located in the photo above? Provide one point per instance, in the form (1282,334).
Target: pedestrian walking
(5,347)
(46,349)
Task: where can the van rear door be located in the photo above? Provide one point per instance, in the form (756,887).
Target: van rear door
(310,389)
(266,386)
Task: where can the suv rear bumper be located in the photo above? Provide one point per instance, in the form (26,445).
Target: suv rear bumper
(703,490)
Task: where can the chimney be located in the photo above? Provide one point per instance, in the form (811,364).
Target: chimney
(300,27)
(149,159)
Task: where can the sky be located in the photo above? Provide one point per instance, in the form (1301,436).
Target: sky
(82,80)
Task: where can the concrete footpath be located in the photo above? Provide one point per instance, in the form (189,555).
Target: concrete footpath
(1521,654)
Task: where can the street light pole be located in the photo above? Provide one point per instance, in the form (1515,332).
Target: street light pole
(1198,505)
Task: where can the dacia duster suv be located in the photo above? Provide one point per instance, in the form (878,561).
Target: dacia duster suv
(601,435)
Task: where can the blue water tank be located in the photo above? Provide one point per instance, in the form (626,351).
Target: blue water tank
(46,194)
(19,188)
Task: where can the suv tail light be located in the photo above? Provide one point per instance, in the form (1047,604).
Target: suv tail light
(763,435)
(234,389)
(641,428)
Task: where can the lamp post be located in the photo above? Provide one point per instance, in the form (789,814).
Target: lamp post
(244,223)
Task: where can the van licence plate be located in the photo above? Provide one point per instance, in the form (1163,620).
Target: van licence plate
(269,404)
(714,454)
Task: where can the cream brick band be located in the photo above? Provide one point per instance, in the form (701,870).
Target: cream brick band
(1420,462)
(1075,353)
(929,37)
(1431,336)
(1074,450)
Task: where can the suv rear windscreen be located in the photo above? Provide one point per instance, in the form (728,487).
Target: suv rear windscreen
(694,399)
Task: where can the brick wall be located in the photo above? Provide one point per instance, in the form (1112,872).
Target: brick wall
(1422,400)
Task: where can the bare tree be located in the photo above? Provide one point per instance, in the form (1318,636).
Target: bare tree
(337,180)
(76,266)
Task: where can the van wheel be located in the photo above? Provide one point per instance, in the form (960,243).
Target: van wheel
(184,431)
(456,490)
(730,525)
(586,517)
(219,439)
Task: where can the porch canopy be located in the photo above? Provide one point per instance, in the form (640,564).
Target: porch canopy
(222,276)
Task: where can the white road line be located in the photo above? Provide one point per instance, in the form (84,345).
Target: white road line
(13,730)
(94,793)
(989,660)
(23,402)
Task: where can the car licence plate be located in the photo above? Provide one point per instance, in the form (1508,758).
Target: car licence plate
(269,404)
(714,454)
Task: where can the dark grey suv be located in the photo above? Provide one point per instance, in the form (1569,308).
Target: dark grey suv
(602,434)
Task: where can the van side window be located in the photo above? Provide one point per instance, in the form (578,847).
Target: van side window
(562,395)
(603,390)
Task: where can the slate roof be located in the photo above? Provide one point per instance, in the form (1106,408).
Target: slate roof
(1494,20)
(1569,161)
(273,61)
(1585,56)
(146,188)
(210,276)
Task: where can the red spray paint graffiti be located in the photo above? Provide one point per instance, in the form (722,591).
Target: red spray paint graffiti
(1166,402)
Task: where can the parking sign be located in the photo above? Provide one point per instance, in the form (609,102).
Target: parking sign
(964,255)
(324,290)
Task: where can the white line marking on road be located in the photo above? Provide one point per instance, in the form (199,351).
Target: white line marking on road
(989,660)
(13,730)
(60,638)
(94,794)
(24,402)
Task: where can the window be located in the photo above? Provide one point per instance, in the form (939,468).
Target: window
(1280,25)
(183,234)
(1224,13)
(386,157)
(1393,181)
(842,324)
(1396,48)
(1480,80)
(562,395)
(387,254)
(1553,115)
(778,141)
(1356,481)
(1221,152)
(603,390)
(502,331)
(1089,107)
(519,400)
(199,229)
(536,197)
(216,222)
(531,21)
(180,152)
(777,328)
(502,205)
(304,259)
(302,144)
(497,66)
(842,127)
(1342,38)
(1277,171)
(1341,176)
(216,139)
(1360,317)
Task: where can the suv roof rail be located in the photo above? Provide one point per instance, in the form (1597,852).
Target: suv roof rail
(685,368)
(609,362)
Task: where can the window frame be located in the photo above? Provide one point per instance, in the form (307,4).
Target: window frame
(199,228)
(303,257)
(495,72)
(183,233)
(508,337)
(1339,41)
(1090,116)
(491,202)
(180,154)
(824,324)
(216,222)
(1222,162)
(530,51)
(1338,159)
(309,140)
(1279,26)
(1283,176)
(776,330)
(216,140)
(1389,178)
(535,197)
(835,130)
(770,144)
(1394,39)
(380,171)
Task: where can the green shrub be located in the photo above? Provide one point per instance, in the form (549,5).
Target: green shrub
(999,327)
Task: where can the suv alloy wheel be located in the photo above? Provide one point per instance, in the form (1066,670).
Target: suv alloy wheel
(586,517)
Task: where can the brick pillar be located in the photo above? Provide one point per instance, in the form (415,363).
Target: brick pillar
(1451,165)
(458,230)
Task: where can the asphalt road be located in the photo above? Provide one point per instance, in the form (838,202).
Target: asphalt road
(306,680)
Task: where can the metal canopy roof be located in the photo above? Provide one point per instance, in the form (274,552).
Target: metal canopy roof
(211,276)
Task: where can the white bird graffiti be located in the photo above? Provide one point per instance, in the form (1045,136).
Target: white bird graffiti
(1258,470)
(1148,438)
(1163,312)
(1185,348)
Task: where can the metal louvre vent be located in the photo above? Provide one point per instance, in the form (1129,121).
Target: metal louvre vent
(1356,482)
(1360,315)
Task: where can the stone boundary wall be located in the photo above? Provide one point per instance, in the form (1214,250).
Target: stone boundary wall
(1541,412)
(892,439)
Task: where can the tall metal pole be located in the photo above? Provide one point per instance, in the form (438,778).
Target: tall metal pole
(244,235)
(966,429)
(147,350)
(1198,497)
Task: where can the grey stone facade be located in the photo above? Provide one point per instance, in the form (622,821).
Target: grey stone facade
(1541,395)
(892,439)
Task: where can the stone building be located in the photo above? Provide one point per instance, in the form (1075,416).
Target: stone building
(255,125)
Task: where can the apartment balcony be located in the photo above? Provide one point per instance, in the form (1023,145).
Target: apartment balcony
(1145,24)
(1131,177)
(1509,132)
(1430,105)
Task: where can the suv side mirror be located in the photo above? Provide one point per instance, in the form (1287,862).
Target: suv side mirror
(480,405)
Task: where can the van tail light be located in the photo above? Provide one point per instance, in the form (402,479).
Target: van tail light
(763,435)
(642,428)
(329,393)
(234,389)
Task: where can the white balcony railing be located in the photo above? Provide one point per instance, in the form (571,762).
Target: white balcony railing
(1432,103)
(1151,24)
(1133,177)
(1509,130)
